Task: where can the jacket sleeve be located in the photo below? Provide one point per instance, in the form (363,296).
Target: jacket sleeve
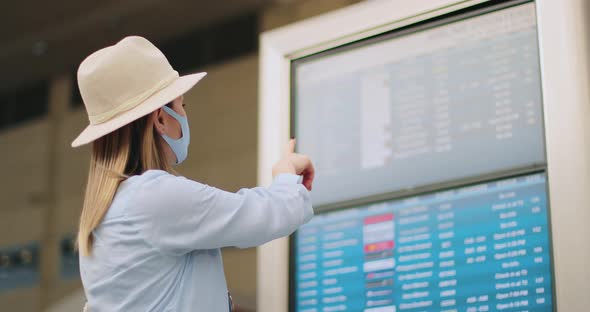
(183,215)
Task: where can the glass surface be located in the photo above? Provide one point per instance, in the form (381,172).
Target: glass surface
(478,248)
(457,101)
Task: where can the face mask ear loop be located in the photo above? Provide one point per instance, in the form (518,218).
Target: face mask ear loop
(179,146)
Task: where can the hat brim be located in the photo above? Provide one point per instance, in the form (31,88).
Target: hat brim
(177,88)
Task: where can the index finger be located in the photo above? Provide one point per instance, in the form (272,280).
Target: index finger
(290,149)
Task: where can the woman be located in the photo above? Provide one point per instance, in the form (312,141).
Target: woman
(149,240)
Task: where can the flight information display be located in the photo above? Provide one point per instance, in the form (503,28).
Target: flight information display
(475,249)
(454,101)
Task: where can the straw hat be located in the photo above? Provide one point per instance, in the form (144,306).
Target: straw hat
(124,82)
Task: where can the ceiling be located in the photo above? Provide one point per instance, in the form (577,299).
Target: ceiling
(39,39)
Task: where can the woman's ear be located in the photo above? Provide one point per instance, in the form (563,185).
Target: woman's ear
(158,119)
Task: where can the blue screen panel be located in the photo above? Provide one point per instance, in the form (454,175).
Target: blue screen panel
(478,248)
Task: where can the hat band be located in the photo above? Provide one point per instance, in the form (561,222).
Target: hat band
(133,102)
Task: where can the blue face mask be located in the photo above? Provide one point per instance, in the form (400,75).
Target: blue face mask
(178,146)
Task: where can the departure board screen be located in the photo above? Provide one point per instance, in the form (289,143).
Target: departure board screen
(455,101)
(478,248)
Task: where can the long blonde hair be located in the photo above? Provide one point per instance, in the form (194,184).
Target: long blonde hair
(130,150)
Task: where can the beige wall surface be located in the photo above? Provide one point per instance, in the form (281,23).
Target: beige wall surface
(294,11)
(26,194)
(222,111)
(23,166)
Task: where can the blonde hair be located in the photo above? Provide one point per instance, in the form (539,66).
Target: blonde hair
(130,150)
